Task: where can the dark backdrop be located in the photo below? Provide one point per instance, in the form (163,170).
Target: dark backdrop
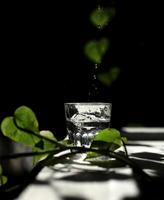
(43,65)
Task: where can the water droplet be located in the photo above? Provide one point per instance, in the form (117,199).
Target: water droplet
(99,27)
(99,8)
(96,66)
(94,89)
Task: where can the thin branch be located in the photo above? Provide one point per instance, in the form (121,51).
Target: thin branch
(125,149)
(28,154)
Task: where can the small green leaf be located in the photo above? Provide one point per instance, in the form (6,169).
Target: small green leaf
(10,130)
(107,78)
(92,52)
(48,134)
(103,45)
(25,118)
(100,16)
(108,135)
(38,158)
(3,180)
(108,138)
(95,50)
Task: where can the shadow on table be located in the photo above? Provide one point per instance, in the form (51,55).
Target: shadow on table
(95,176)
(148,155)
(149,189)
(155,136)
(150,161)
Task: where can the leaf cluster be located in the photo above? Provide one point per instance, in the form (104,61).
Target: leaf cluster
(23,127)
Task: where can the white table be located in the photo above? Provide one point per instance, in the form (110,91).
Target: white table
(76,181)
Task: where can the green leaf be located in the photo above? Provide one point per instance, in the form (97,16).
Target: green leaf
(3,180)
(10,130)
(107,78)
(100,16)
(48,134)
(25,118)
(92,52)
(38,158)
(108,135)
(44,145)
(108,138)
(103,45)
(95,50)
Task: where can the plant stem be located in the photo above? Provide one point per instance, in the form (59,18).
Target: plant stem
(125,149)
(27,154)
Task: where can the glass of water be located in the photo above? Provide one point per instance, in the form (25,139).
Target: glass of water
(84,120)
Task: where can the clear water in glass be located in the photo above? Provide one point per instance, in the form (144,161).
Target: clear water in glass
(84,120)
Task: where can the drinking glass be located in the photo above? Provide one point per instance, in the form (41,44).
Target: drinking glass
(84,120)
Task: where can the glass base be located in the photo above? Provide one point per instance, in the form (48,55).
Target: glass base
(81,140)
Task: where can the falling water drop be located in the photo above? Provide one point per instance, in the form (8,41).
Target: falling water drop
(94,89)
(99,26)
(96,66)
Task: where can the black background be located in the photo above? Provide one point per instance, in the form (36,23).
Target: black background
(43,65)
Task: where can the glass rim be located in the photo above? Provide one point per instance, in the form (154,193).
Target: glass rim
(87,103)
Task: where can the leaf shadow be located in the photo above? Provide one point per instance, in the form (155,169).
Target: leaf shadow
(148,155)
(89,176)
(150,161)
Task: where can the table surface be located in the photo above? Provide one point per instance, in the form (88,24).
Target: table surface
(65,181)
